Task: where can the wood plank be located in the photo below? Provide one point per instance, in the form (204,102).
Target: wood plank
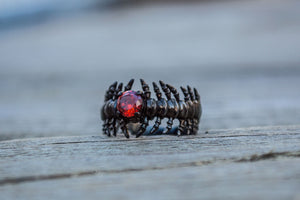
(235,163)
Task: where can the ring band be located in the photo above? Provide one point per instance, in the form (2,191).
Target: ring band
(127,107)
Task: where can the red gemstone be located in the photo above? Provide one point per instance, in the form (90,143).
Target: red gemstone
(129,103)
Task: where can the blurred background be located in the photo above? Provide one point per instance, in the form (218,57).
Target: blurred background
(58,58)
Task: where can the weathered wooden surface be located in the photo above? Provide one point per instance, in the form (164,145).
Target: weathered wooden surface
(254,163)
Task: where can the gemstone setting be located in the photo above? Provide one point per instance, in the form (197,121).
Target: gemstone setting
(129,103)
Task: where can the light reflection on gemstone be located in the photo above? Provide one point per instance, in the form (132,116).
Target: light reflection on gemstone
(129,103)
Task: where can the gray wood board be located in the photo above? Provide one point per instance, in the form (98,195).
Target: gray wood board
(258,162)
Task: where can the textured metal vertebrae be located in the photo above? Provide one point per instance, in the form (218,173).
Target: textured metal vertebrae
(187,112)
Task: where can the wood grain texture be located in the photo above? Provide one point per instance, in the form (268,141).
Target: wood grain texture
(259,162)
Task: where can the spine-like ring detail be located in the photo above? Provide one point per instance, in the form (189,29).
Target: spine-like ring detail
(121,108)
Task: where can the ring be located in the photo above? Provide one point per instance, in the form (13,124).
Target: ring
(125,109)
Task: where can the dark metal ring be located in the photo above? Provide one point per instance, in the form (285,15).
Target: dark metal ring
(129,107)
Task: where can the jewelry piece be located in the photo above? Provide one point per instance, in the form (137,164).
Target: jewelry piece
(121,108)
